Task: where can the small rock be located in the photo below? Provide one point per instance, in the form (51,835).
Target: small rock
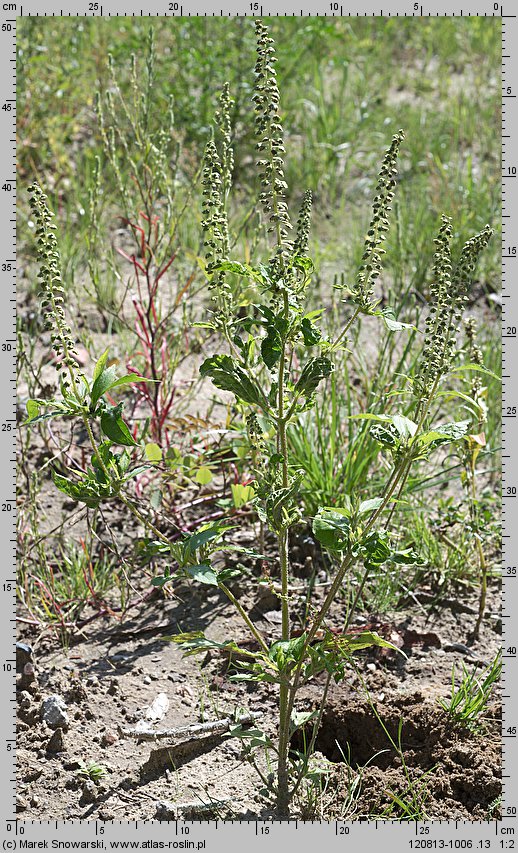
(27,680)
(113,689)
(32,773)
(24,655)
(147,679)
(165,810)
(108,739)
(53,712)
(35,802)
(88,794)
(24,701)
(371,667)
(158,708)
(21,804)
(176,676)
(72,765)
(55,743)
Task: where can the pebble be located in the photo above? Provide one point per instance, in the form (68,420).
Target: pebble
(24,700)
(165,810)
(109,738)
(21,804)
(53,712)
(147,679)
(158,708)
(56,743)
(24,655)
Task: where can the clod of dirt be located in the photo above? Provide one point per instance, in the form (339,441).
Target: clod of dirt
(88,794)
(27,680)
(56,743)
(53,712)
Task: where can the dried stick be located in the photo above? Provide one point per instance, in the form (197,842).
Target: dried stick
(194,731)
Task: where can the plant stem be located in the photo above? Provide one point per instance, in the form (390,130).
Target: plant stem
(231,597)
(283,796)
(480,550)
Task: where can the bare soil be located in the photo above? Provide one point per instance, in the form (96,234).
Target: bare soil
(113,670)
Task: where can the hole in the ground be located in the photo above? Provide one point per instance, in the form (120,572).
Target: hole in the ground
(356,736)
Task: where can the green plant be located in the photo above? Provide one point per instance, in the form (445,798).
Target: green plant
(92,770)
(474,443)
(470,696)
(143,150)
(268,379)
(278,357)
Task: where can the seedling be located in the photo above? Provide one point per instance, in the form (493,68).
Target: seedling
(92,771)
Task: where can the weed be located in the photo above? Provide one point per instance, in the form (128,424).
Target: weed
(470,696)
(92,770)
(277,357)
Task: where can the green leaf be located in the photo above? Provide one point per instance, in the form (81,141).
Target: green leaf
(227,375)
(33,409)
(281,507)
(390,321)
(101,364)
(385,435)
(87,491)
(443,435)
(195,642)
(153,452)
(284,652)
(271,347)
(255,736)
(203,573)
(332,528)
(202,537)
(367,639)
(241,494)
(101,384)
(478,369)
(310,333)
(107,380)
(312,374)
(161,580)
(405,427)
(369,506)
(203,476)
(374,549)
(130,379)
(301,718)
(115,428)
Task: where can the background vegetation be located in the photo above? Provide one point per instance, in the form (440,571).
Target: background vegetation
(347,86)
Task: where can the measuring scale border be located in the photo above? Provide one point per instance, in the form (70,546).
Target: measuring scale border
(18,834)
